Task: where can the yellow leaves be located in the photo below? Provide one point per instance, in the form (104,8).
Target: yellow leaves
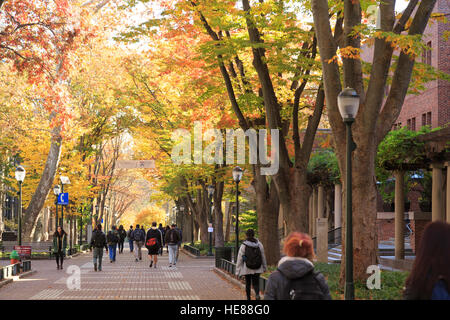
(348,52)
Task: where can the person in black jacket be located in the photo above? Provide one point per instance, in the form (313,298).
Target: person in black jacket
(112,239)
(163,232)
(172,239)
(98,242)
(130,238)
(122,236)
(153,243)
(59,247)
(295,278)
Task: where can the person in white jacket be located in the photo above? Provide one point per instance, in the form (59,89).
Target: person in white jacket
(251,262)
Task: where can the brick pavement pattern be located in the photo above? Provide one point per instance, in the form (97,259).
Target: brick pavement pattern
(125,279)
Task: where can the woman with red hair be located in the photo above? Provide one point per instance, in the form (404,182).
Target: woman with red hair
(430,276)
(295,278)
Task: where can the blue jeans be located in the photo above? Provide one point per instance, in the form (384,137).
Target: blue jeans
(131,245)
(112,252)
(173,248)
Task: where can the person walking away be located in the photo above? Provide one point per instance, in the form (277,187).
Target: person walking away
(112,238)
(430,276)
(59,247)
(251,262)
(167,246)
(179,242)
(163,232)
(130,238)
(172,239)
(122,236)
(98,242)
(295,277)
(153,243)
(139,238)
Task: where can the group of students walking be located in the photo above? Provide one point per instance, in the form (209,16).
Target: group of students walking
(154,240)
(296,279)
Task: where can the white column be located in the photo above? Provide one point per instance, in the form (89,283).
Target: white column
(322,239)
(399,215)
(314,212)
(437,208)
(320,202)
(337,205)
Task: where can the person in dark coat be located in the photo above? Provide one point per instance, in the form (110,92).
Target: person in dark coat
(98,242)
(130,238)
(163,232)
(153,243)
(430,276)
(122,236)
(59,247)
(172,239)
(295,278)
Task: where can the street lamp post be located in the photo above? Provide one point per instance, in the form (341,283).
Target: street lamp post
(237,176)
(210,189)
(56,192)
(20,176)
(192,224)
(64,180)
(182,218)
(348,103)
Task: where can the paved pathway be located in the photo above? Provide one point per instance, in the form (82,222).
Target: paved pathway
(125,279)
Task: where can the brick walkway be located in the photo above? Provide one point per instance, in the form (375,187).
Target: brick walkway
(193,279)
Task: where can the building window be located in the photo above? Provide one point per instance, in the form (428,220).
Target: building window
(413,124)
(424,119)
(408,124)
(429,119)
(426,54)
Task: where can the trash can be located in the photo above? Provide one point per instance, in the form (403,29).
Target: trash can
(222,253)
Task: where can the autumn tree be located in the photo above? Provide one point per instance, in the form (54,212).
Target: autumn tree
(397,35)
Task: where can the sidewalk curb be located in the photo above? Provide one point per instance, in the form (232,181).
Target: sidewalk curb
(15,278)
(235,282)
(196,257)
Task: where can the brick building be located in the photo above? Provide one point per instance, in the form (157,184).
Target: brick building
(432,106)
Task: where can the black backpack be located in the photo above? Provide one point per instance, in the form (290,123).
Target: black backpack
(138,235)
(253,257)
(306,288)
(153,241)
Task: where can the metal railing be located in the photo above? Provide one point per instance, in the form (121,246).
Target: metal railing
(334,238)
(8,272)
(194,251)
(230,268)
(26,265)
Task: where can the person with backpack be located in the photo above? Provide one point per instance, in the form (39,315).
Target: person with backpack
(172,239)
(295,277)
(180,232)
(130,238)
(112,238)
(430,275)
(59,246)
(138,236)
(122,236)
(163,232)
(98,242)
(165,242)
(251,262)
(153,243)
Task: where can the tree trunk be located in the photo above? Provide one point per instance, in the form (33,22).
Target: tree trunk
(218,224)
(228,209)
(45,184)
(267,207)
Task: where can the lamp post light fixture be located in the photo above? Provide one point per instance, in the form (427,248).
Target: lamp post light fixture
(192,223)
(56,192)
(237,176)
(348,103)
(64,180)
(20,177)
(210,189)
